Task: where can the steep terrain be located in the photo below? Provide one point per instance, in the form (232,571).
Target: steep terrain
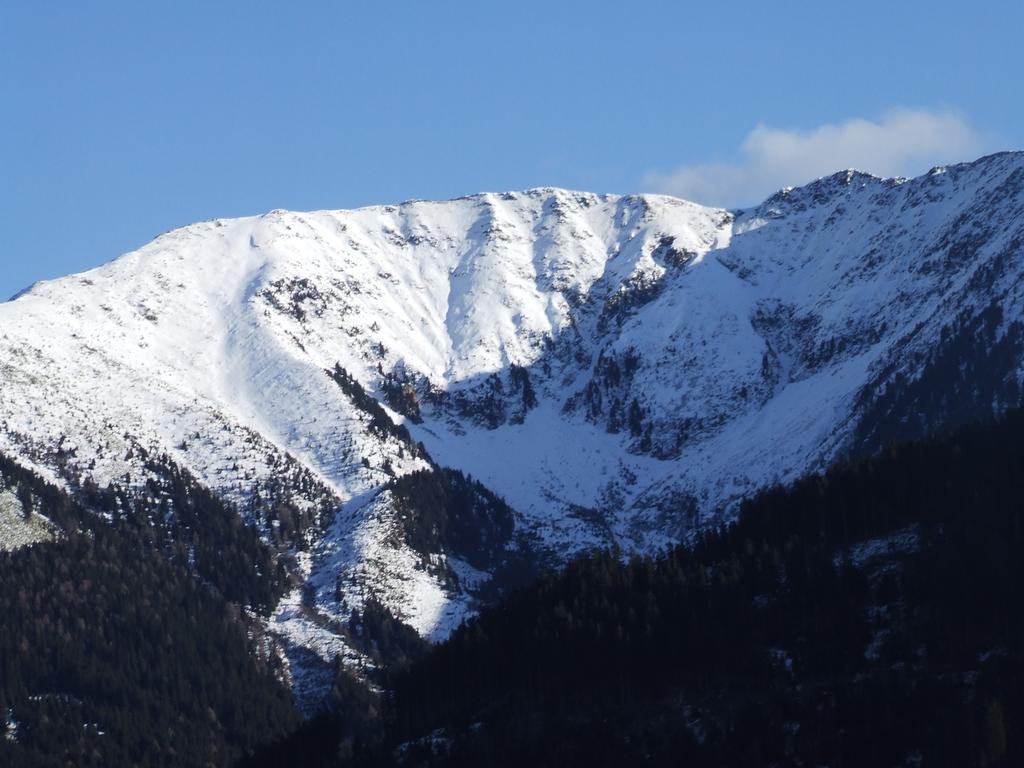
(867,616)
(612,370)
(112,652)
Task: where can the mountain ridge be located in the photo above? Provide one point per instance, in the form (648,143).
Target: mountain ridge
(545,189)
(621,370)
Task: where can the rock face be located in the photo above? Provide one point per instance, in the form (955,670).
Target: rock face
(598,369)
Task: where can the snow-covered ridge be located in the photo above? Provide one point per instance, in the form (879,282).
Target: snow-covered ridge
(618,368)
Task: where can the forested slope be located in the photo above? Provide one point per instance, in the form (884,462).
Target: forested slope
(122,644)
(870,616)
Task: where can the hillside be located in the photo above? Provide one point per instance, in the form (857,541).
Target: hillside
(869,616)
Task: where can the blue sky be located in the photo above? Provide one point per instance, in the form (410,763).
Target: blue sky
(120,121)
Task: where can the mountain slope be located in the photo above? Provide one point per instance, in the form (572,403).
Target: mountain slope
(101,662)
(617,369)
(867,616)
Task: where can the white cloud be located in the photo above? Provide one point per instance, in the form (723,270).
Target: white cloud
(904,142)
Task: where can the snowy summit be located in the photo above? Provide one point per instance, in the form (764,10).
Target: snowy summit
(619,370)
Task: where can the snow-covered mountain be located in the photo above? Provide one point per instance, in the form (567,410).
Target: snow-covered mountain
(620,370)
